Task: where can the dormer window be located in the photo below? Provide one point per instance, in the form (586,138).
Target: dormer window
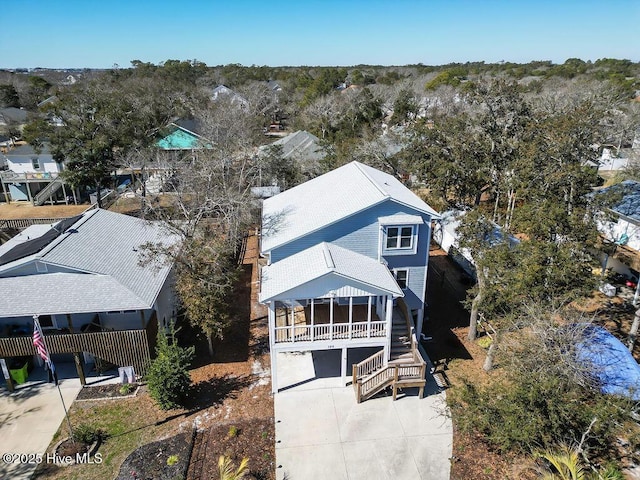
(35,163)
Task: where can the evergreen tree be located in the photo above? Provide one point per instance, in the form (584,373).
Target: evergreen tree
(168,376)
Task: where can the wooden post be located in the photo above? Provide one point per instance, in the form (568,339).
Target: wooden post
(79,368)
(28,185)
(4,190)
(7,376)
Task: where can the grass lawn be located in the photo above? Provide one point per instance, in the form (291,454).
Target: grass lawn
(129,423)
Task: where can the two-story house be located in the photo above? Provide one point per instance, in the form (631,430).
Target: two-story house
(33,175)
(341,249)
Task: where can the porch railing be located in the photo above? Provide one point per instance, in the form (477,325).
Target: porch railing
(327,331)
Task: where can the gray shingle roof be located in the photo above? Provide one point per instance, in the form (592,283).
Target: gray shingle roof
(302,144)
(101,253)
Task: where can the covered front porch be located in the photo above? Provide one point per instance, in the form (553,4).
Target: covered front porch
(330,319)
(328,298)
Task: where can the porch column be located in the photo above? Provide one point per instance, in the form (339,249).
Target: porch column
(389,322)
(28,185)
(312,308)
(419,322)
(272,340)
(4,190)
(369,316)
(142,319)
(64,192)
(343,366)
(331,319)
(293,322)
(350,318)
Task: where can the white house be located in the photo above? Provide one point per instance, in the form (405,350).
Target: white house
(620,227)
(32,175)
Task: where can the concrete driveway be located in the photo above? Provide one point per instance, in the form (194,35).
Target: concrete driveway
(322,433)
(30,416)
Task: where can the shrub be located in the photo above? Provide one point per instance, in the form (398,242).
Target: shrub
(168,376)
(233,431)
(172,460)
(86,434)
(126,389)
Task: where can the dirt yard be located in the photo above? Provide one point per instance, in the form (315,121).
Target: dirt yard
(230,406)
(26,210)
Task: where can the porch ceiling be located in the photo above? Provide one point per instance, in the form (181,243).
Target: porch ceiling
(326,270)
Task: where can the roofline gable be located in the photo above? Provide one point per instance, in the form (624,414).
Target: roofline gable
(311,232)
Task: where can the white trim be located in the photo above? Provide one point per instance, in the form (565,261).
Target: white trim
(398,250)
(395,275)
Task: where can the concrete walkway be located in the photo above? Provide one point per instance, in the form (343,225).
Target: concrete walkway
(322,433)
(31,415)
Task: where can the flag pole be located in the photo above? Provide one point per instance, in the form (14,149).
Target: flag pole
(36,325)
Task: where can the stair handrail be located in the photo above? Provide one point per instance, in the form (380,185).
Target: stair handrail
(368,366)
(49,189)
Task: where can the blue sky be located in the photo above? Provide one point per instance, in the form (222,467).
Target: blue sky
(99,34)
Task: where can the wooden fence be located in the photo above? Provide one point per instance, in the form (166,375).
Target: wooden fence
(121,347)
(22,223)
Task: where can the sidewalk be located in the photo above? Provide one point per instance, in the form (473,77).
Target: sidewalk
(30,416)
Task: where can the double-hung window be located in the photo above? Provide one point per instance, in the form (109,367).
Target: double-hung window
(402,277)
(399,238)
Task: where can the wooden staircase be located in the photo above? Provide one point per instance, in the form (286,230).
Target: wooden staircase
(405,368)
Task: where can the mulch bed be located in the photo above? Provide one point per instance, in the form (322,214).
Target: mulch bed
(253,439)
(163,460)
(100,392)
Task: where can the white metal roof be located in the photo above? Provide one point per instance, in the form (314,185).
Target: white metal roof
(331,197)
(401,220)
(354,272)
(100,253)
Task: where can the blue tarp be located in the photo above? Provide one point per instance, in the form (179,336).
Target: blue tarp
(613,365)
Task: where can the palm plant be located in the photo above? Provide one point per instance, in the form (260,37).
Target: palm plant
(226,468)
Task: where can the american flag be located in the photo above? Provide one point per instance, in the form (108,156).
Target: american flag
(38,342)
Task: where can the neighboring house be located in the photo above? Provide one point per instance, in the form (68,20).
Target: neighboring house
(33,175)
(612,163)
(301,146)
(222,92)
(445,234)
(274,86)
(340,250)
(13,117)
(620,227)
(183,134)
(83,278)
